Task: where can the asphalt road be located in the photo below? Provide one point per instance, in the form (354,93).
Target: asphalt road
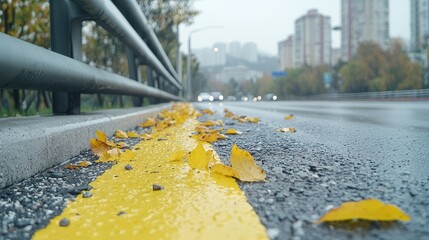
(342,151)
(346,151)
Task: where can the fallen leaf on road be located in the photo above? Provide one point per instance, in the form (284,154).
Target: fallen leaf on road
(224,170)
(292,130)
(210,123)
(98,147)
(288,117)
(79,165)
(369,209)
(242,161)
(178,156)
(207,111)
(232,131)
(127,155)
(146,136)
(133,135)
(148,123)
(120,134)
(200,158)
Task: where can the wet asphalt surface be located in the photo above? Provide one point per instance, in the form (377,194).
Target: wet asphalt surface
(334,156)
(340,152)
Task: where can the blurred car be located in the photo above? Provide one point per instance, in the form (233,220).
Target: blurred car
(217,96)
(204,97)
(270,97)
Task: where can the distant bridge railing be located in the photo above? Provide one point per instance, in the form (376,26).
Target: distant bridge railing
(400,94)
(26,66)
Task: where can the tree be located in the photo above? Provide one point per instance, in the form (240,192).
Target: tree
(29,21)
(376,69)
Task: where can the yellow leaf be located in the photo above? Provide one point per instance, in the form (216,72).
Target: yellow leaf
(199,157)
(127,155)
(121,145)
(224,170)
(209,123)
(98,147)
(79,165)
(120,134)
(232,131)
(228,114)
(133,135)
(288,117)
(178,156)
(208,111)
(242,161)
(369,209)
(101,136)
(148,123)
(161,125)
(292,130)
(146,136)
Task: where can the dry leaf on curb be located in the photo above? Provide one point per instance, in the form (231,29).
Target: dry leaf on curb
(79,165)
(148,123)
(232,131)
(369,209)
(200,158)
(146,136)
(224,170)
(291,130)
(178,156)
(98,147)
(120,134)
(288,117)
(242,161)
(133,135)
(207,111)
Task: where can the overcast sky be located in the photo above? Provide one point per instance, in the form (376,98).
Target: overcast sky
(266,22)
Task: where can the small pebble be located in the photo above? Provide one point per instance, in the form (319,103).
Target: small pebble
(57,175)
(121,213)
(157,187)
(64,222)
(87,194)
(128,167)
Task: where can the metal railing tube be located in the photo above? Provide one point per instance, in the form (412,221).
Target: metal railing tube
(107,15)
(26,66)
(132,12)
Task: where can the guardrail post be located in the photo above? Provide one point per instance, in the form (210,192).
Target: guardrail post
(134,73)
(66,39)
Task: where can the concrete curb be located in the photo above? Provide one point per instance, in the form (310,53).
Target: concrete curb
(32,144)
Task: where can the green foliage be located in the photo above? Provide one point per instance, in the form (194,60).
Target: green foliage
(375,69)
(303,81)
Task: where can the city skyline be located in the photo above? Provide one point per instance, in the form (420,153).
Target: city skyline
(267,23)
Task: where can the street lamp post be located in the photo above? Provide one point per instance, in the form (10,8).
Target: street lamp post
(188,59)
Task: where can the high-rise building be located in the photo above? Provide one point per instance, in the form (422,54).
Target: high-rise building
(312,40)
(219,54)
(234,49)
(286,52)
(250,52)
(419,24)
(363,20)
(209,57)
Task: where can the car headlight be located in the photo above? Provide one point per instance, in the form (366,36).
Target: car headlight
(200,99)
(211,98)
(274,97)
(221,97)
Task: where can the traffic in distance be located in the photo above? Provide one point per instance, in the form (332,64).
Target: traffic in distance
(217,96)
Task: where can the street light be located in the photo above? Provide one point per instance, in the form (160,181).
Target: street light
(188,59)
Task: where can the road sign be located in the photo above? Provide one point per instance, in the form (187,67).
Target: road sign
(279,74)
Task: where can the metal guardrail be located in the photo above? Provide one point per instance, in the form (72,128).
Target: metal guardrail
(409,94)
(26,66)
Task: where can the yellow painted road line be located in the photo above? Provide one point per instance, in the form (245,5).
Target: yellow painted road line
(194,204)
